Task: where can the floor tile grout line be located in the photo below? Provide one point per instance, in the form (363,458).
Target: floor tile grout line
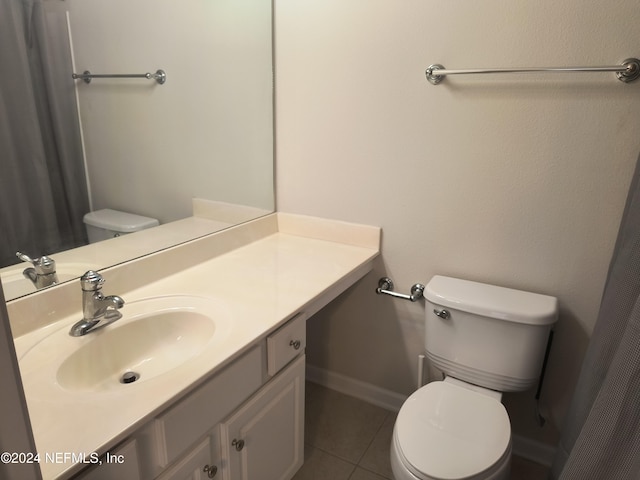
(373,472)
(334,455)
(353,465)
(372,440)
(358,464)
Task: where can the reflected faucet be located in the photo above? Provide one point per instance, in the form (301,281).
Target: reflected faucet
(43,272)
(98,311)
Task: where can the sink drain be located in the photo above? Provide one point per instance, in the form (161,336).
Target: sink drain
(129,377)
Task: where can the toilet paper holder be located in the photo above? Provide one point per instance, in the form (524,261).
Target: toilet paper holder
(385,287)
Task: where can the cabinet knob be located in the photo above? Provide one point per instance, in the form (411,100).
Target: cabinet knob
(239,444)
(210,470)
(295,344)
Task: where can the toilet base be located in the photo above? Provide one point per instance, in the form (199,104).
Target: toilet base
(500,471)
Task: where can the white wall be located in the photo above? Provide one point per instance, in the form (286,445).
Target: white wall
(518,181)
(207,132)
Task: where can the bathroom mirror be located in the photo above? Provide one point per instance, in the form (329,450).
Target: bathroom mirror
(151,148)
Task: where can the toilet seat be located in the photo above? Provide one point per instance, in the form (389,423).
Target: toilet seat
(448,432)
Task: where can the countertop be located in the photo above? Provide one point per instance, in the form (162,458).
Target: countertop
(283,265)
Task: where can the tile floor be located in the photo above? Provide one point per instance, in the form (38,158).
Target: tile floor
(348,439)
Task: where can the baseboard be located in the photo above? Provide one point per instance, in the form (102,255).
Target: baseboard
(355,388)
(533,450)
(524,447)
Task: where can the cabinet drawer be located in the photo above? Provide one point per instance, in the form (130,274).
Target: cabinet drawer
(200,411)
(286,343)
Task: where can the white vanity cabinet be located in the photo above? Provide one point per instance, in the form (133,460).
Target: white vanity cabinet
(245,423)
(199,412)
(262,440)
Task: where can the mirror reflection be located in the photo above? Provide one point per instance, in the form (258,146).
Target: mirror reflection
(129,158)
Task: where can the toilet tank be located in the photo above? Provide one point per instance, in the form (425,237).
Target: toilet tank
(490,336)
(108,223)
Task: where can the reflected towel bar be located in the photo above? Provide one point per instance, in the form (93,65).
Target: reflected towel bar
(627,72)
(159,76)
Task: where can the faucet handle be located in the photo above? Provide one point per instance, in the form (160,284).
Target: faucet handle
(24,257)
(91,281)
(43,265)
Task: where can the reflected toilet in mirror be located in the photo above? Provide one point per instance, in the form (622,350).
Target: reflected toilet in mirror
(106,223)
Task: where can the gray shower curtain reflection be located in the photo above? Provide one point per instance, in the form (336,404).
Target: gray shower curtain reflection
(601,438)
(43,189)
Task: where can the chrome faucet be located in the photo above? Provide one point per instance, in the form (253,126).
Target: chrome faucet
(43,273)
(98,311)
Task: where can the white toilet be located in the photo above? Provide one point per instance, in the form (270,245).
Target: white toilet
(107,223)
(486,340)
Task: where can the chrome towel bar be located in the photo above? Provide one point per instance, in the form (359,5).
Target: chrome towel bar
(385,287)
(627,72)
(159,76)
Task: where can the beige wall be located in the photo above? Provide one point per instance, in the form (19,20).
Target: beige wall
(518,181)
(207,132)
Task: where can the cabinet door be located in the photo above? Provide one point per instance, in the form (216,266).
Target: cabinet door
(265,438)
(201,463)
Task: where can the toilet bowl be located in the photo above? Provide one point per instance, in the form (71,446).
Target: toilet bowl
(448,431)
(486,340)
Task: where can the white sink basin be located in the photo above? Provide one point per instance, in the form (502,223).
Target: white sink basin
(154,336)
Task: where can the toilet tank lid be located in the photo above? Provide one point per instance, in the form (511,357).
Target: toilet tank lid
(492,301)
(119,221)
